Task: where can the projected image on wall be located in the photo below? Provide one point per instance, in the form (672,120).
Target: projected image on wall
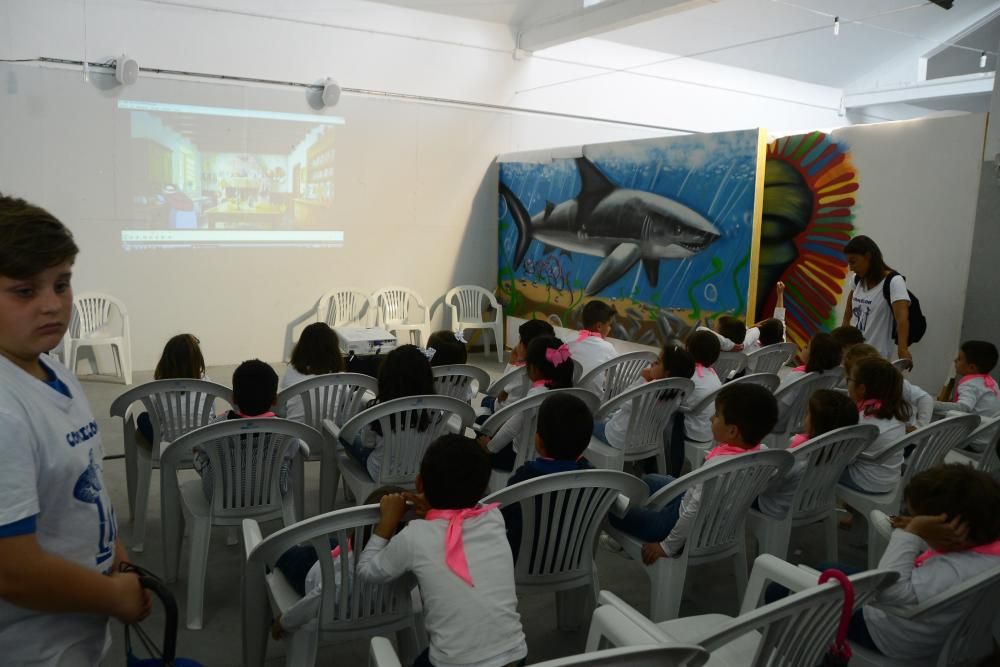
(221,176)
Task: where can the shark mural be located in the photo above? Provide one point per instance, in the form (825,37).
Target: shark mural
(662,229)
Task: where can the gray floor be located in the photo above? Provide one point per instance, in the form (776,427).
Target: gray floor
(710,588)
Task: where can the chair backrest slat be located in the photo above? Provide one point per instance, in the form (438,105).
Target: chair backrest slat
(458,380)
(729,364)
(822,461)
(938,439)
(618,373)
(336,396)
(770,358)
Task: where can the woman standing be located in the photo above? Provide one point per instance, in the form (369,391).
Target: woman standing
(867,306)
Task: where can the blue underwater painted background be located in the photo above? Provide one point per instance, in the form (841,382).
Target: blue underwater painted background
(713,174)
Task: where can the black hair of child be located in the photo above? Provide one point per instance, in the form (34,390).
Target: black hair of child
(732,328)
(958,490)
(448,349)
(829,410)
(678,362)
(705,347)
(749,407)
(317,351)
(981,353)
(848,336)
(565,425)
(596,312)
(255,387)
(884,383)
(558,376)
(404,372)
(824,353)
(772,331)
(181,359)
(455,472)
(532,329)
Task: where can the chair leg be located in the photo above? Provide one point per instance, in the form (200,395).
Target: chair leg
(127,362)
(667,577)
(302,647)
(498,341)
(740,570)
(201,533)
(131,466)
(830,529)
(232,536)
(408,644)
(142,482)
(574,607)
(298,483)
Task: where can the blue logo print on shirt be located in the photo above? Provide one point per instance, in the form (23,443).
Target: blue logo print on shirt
(88,489)
(74,438)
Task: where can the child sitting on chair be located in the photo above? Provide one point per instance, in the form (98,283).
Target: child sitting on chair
(921,403)
(181,359)
(951,534)
(704,348)
(255,392)
(734,336)
(590,348)
(974,391)
(822,355)
(528,331)
(301,569)
(561,440)
(448,348)
(744,415)
(317,352)
(458,552)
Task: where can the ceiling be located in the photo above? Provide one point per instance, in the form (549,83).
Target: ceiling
(789,38)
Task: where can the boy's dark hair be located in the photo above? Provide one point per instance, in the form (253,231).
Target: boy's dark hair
(31,239)
(565,425)
(749,407)
(447,348)
(955,489)
(596,312)
(732,328)
(181,359)
(404,372)
(864,245)
(677,362)
(532,329)
(980,353)
(829,410)
(824,353)
(883,383)
(704,346)
(255,386)
(772,331)
(856,353)
(455,472)
(317,351)
(848,336)
(558,377)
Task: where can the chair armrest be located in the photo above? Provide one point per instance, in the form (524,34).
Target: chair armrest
(331,428)
(673,490)
(768,569)
(381,654)
(631,621)
(251,536)
(303,449)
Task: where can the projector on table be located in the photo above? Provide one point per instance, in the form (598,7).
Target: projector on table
(364,341)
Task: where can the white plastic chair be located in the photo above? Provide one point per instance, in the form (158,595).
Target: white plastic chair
(902,365)
(344,308)
(987,460)
(382,654)
(358,609)
(395,306)
(246,457)
(718,530)
(729,364)
(821,461)
(509,380)
(524,440)
(770,358)
(466,303)
(175,407)
(977,602)
(91,325)
(404,443)
(795,631)
(618,373)
(561,515)
(932,442)
(653,406)
(458,380)
(337,397)
(695,450)
(793,404)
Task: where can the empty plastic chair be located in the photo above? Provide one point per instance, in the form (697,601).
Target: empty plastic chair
(395,308)
(345,307)
(466,303)
(93,324)
(980,447)
(618,374)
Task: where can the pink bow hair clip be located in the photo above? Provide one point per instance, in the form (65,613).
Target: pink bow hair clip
(557,356)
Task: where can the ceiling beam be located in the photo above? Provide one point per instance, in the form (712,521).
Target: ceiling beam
(951,86)
(542,33)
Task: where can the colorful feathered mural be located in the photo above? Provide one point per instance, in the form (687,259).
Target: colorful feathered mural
(810,187)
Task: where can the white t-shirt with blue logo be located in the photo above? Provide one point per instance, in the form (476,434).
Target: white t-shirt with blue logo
(50,468)
(872,314)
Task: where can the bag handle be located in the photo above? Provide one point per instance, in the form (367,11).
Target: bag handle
(152,582)
(841,647)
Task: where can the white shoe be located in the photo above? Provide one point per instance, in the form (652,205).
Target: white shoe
(609,543)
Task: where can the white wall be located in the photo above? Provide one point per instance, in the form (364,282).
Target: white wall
(416,187)
(917,200)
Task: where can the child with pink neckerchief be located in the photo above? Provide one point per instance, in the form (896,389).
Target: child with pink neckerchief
(550,366)
(974,390)
(458,551)
(590,348)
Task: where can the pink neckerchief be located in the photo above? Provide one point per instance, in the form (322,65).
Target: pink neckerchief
(798,440)
(800,369)
(869,406)
(700,370)
(336,550)
(263,415)
(991,549)
(585,334)
(729,450)
(990,383)
(541,383)
(453,548)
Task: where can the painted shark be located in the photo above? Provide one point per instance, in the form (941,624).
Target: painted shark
(622,226)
